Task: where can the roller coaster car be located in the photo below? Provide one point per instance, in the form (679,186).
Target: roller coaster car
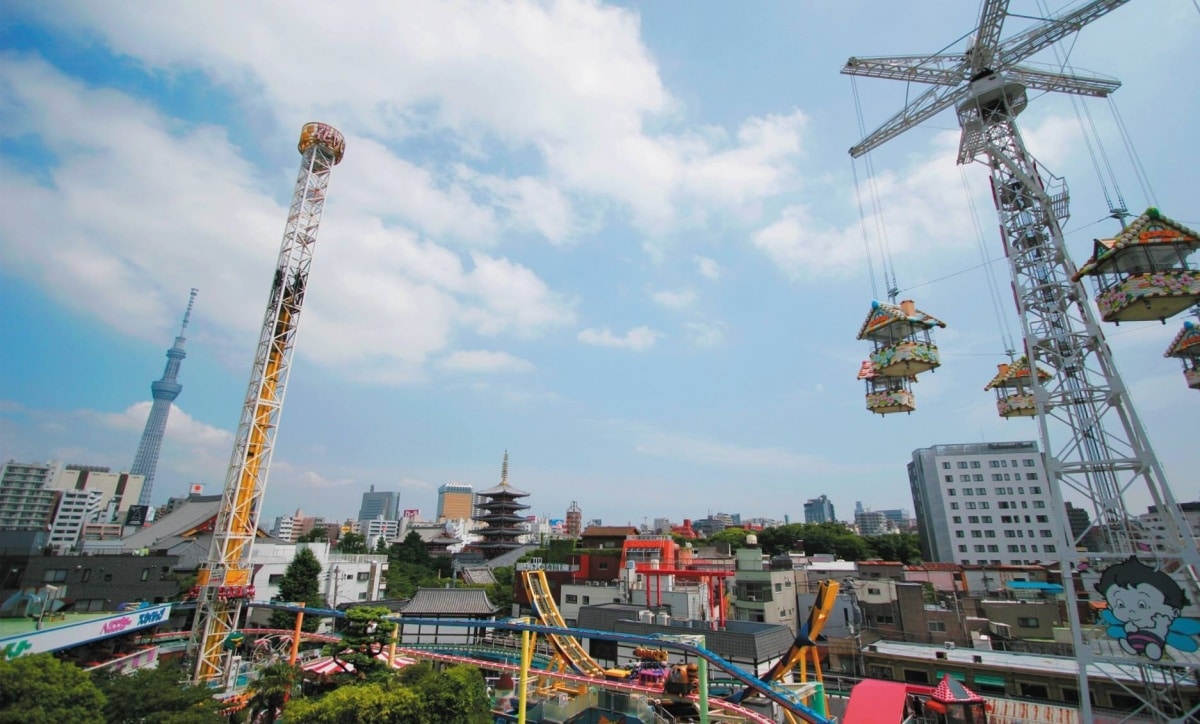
(682,680)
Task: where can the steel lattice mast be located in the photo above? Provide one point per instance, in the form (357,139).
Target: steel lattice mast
(165,390)
(1095,446)
(223,583)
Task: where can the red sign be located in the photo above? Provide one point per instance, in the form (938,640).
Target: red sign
(412,513)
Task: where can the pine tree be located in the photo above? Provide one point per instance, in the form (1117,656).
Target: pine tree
(301,582)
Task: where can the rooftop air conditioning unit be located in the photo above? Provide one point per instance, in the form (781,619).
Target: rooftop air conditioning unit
(949,644)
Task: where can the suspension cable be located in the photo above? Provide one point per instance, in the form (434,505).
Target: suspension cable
(1138,169)
(862,220)
(989,272)
(889,267)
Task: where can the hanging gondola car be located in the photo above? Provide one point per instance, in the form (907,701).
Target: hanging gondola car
(1143,273)
(886,395)
(1186,347)
(1014,396)
(901,335)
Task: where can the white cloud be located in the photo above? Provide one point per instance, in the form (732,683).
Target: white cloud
(923,204)
(705,334)
(675,298)
(485,361)
(637,339)
(708,268)
(570,81)
(106,220)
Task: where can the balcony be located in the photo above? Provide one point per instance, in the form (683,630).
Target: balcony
(889,401)
(1016,406)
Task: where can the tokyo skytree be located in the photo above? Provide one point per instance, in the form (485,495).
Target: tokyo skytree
(165,391)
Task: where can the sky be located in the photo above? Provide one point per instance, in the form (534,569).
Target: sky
(620,242)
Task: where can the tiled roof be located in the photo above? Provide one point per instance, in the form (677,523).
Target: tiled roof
(883,315)
(179,522)
(1149,229)
(879,563)
(478,576)
(608,531)
(450,601)
(952,567)
(1186,343)
(1009,374)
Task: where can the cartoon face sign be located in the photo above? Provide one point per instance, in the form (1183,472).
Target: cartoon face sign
(1143,610)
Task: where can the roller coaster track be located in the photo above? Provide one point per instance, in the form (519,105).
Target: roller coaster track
(567,646)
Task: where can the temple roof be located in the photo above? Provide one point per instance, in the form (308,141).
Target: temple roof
(1149,229)
(1009,374)
(1186,343)
(903,315)
(504,489)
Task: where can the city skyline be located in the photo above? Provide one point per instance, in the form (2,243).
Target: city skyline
(645,285)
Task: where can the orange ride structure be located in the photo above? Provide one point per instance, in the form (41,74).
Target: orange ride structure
(223,581)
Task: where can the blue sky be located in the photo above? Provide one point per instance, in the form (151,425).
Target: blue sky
(619,241)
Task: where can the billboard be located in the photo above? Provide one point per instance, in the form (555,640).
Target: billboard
(414,513)
(196,489)
(136,515)
(62,637)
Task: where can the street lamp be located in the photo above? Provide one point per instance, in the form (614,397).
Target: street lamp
(49,590)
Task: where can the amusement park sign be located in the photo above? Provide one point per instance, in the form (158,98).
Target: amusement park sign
(74,634)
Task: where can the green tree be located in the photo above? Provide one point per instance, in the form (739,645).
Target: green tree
(156,696)
(457,694)
(735,537)
(301,582)
(271,689)
(373,702)
(315,535)
(366,635)
(500,593)
(352,543)
(410,550)
(903,547)
(41,689)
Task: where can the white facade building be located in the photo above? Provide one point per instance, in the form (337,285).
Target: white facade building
(345,578)
(985,503)
(76,508)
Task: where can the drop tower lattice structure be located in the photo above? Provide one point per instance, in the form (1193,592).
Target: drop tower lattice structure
(1095,446)
(164,391)
(223,582)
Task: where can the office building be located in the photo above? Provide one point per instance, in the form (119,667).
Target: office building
(27,499)
(456,501)
(75,509)
(379,505)
(819,510)
(120,491)
(574,525)
(984,503)
(871,522)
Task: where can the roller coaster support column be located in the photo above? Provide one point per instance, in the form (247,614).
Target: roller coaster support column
(526,662)
(296,635)
(392,646)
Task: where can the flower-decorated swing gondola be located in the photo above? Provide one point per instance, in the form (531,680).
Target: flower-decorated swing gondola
(1186,348)
(1014,388)
(1143,273)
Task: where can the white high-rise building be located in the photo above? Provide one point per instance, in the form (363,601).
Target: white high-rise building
(76,508)
(985,503)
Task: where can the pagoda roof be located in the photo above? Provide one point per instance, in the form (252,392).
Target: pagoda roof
(906,317)
(503,489)
(1149,229)
(1186,343)
(1010,373)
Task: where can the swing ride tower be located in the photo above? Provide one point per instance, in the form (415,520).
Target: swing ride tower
(223,582)
(1095,446)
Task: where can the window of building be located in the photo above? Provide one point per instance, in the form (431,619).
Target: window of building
(954,506)
(779,587)
(976,534)
(874,591)
(989,533)
(962,465)
(970,506)
(1035,490)
(364,576)
(977,478)
(993,548)
(1029,463)
(951,492)
(999,491)
(54,575)
(945,466)
(1027,621)
(1033,549)
(1014,548)
(602,566)
(1039,503)
(586,600)
(1035,691)
(1006,476)
(962,549)
(145,574)
(997,477)
(959,534)
(1016,476)
(972,518)
(107,577)
(974,463)
(981,491)
(949,478)
(87,575)
(1048,548)
(1003,505)
(1024,504)
(957,519)
(964,478)
(968,491)
(993,463)
(916,676)
(987,519)
(1031,476)
(1004,463)
(980,549)
(1046,533)
(570,598)
(937,626)
(362,596)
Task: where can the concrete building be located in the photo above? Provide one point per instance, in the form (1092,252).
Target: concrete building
(984,503)
(574,525)
(379,505)
(819,510)
(456,501)
(345,578)
(1155,529)
(764,590)
(120,490)
(75,509)
(871,522)
(27,504)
